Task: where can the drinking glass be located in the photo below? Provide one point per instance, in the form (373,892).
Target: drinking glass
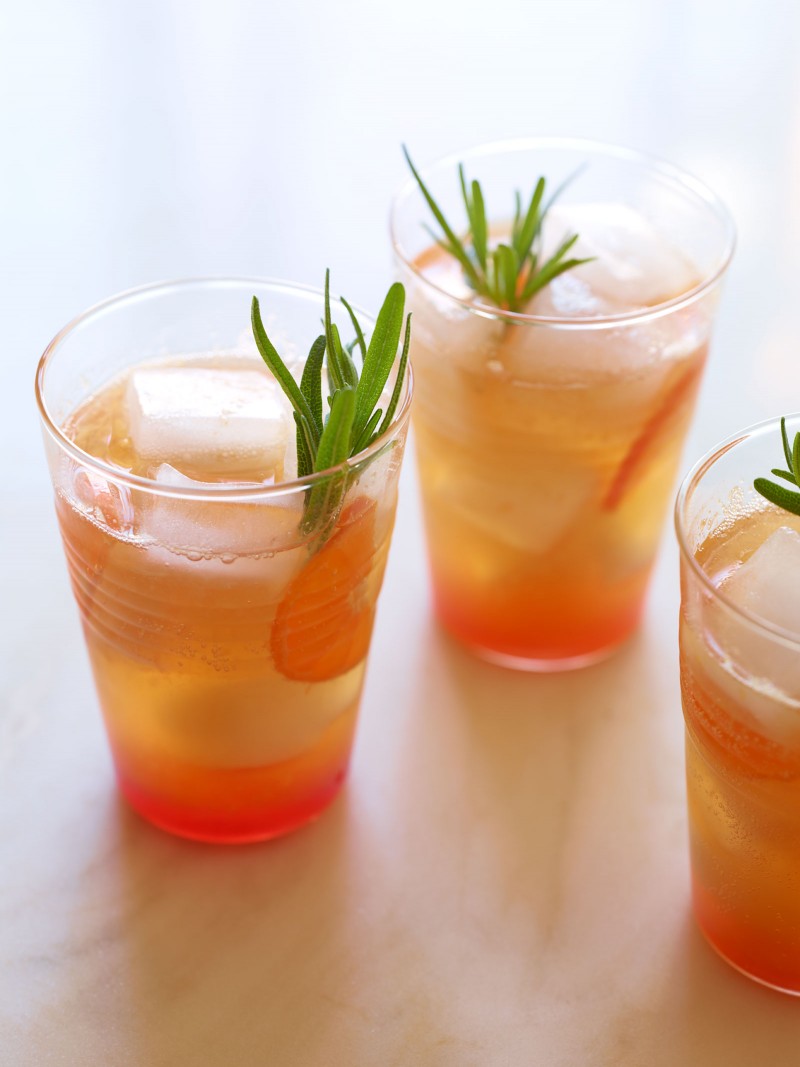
(228,644)
(548,443)
(740,684)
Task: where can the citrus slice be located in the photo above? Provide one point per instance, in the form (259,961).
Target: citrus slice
(324,622)
(656,428)
(729,741)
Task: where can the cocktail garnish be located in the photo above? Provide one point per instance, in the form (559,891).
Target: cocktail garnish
(778,494)
(655,430)
(353,421)
(508,274)
(323,622)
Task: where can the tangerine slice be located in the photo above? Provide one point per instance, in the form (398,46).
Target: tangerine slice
(324,622)
(658,425)
(734,744)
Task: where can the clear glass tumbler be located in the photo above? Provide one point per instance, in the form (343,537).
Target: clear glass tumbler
(228,644)
(548,441)
(740,683)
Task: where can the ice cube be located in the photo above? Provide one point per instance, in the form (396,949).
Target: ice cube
(638,354)
(210,418)
(767,585)
(641,350)
(224,528)
(570,296)
(452,346)
(247,722)
(443,330)
(104,500)
(634,265)
(528,508)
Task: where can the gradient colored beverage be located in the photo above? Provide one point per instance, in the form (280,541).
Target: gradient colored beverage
(548,441)
(228,647)
(740,683)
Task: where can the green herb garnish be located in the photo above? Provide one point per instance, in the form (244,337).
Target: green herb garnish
(778,494)
(353,421)
(508,274)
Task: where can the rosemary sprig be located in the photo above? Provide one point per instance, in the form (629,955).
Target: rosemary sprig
(778,494)
(353,421)
(508,273)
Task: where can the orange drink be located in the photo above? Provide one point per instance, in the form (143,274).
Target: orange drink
(227,624)
(548,429)
(740,683)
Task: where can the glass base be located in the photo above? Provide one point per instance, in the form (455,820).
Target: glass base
(748,974)
(221,828)
(754,976)
(533,664)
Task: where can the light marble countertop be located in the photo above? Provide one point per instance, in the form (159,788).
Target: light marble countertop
(504,880)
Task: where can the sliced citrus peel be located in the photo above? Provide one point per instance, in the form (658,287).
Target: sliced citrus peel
(323,623)
(657,426)
(739,747)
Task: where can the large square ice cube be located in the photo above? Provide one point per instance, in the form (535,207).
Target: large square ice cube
(763,670)
(528,507)
(444,331)
(632,266)
(209,417)
(221,527)
(768,584)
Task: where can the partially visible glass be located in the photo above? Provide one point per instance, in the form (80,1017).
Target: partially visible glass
(740,684)
(548,442)
(228,644)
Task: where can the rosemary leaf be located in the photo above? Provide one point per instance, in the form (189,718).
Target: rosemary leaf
(324,500)
(305,462)
(335,372)
(507,274)
(367,435)
(344,359)
(786,449)
(398,384)
(776,494)
(786,475)
(480,228)
(279,368)
(530,228)
(353,422)
(381,354)
(311,381)
(359,338)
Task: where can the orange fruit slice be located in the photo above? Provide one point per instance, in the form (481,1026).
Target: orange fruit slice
(657,426)
(729,740)
(323,624)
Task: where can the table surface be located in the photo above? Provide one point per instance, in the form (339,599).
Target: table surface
(505,878)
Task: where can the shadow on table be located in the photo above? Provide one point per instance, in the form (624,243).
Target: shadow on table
(216,944)
(461,839)
(542,779)
(565,796)
(508,862)
(700,1011)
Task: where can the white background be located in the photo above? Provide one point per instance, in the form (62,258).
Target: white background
(160,138)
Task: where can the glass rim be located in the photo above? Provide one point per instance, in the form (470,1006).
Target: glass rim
(675,176)
(689,483)
(207,491)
